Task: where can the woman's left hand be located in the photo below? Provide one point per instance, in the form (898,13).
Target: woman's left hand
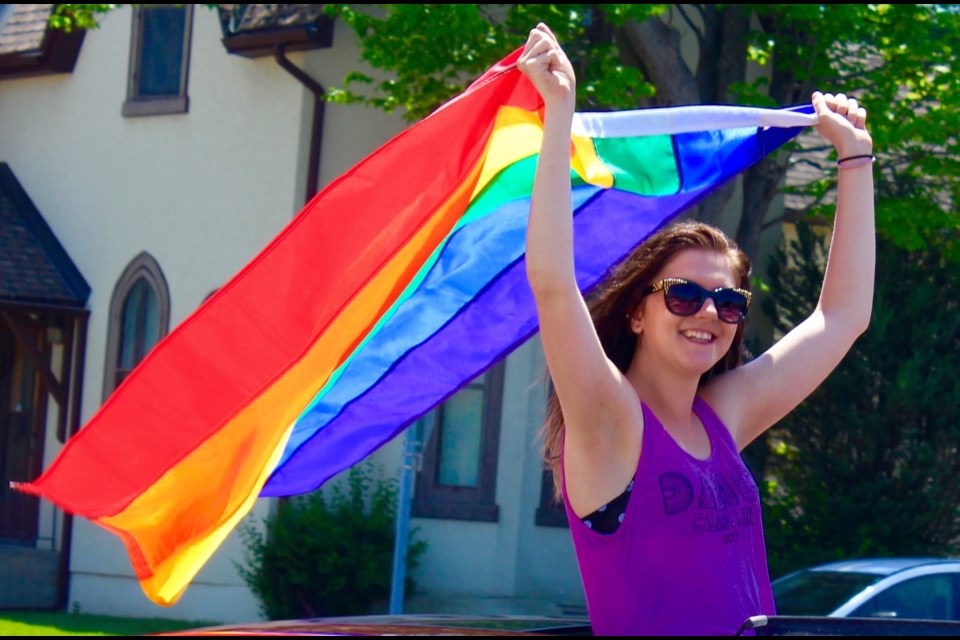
(842,123)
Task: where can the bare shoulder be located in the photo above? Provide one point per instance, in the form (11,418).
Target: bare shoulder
(728,396)
(613,418)
(601,453)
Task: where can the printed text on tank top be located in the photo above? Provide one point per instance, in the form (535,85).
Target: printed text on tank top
(607,518)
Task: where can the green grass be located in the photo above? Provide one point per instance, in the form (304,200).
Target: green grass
(44,623)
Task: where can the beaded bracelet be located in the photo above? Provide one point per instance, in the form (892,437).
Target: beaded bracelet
(852,162)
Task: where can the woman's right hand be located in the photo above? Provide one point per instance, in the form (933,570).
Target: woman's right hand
(544,62)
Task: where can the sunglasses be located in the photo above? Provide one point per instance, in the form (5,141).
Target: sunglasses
(685,298)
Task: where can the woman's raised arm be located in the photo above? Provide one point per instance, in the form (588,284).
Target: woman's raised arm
(753,397)
(595,398)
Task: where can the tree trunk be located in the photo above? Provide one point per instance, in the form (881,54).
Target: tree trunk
(762,183)
(722,62)
(656,47)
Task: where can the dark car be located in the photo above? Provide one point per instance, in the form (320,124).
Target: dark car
(405,625)
(872,597)
(512,625)
(914,588)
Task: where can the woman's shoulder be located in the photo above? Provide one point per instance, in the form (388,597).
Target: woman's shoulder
(714,412)
(725,397)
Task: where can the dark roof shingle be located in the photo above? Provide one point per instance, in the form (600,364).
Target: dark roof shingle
(34,266)
(24,28)
(29,46)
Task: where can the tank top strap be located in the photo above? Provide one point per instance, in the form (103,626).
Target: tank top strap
(716,429)
(654,434)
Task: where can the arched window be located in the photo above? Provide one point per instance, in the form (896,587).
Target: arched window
(139,318)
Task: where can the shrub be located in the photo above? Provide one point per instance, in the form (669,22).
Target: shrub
(869,464)
(330,552)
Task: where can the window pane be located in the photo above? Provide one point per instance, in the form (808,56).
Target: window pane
(161,53)
(817,593)
(461,427)
(128,331)
(140,324)
(151,321)
(925,598)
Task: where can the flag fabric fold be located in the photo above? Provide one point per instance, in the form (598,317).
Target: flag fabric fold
(393,287)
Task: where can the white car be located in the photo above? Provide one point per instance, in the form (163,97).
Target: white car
(911,588)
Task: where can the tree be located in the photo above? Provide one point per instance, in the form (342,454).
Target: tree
(898,59)
(869,464)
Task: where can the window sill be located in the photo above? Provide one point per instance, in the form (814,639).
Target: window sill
(155,107)
(473,512)
(547,517)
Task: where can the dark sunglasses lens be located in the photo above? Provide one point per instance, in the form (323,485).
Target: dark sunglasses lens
(684,299)
(731,306)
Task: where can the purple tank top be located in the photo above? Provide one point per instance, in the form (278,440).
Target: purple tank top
(689,557)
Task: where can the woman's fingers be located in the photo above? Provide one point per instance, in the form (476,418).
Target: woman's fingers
(856,114)
(547,30)
(861,121)
(538,44)
(842,105)
(852,108)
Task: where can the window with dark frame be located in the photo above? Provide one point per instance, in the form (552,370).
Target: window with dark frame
(139,331)
(139,318)
(550,512)
(457,479)
(159,60)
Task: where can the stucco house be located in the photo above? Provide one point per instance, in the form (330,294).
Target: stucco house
(143,164)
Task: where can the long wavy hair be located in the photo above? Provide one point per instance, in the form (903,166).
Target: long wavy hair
(618,296)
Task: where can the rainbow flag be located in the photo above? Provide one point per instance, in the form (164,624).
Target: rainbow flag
(394,287)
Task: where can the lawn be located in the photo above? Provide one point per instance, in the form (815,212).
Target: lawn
(44,623)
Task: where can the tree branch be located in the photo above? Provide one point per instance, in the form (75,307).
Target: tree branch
(657,47)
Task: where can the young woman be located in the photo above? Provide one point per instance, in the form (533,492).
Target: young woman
(651,409)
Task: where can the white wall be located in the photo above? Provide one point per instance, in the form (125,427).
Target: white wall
(176,186)
(511,565)
(546,560)
(202,192)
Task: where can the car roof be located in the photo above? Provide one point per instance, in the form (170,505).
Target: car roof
(405,625)
(882,566)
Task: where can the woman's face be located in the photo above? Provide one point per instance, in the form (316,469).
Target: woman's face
(688,344)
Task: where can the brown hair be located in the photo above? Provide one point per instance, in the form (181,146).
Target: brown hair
(618,296)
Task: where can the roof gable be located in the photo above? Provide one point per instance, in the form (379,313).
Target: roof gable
(29,46)
(34,266)
(256,30)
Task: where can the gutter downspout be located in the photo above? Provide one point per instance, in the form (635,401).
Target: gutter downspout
(412,450)
(73,423)
(316,130)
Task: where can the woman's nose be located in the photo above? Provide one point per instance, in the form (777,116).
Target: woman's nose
(709,308)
